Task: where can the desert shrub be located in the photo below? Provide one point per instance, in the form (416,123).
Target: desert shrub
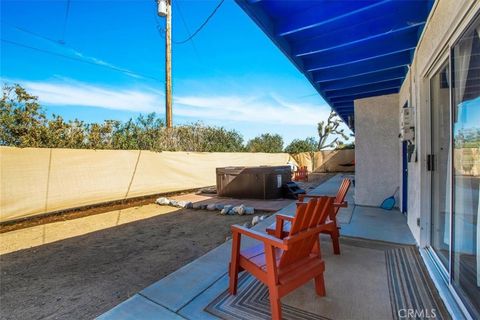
(24,123)
(266,142)
(302,145)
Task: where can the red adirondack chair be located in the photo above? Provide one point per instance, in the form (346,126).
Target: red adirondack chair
(301,174)
(331,226)
(284,264)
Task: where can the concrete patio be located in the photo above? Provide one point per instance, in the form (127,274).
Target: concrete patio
(186,292)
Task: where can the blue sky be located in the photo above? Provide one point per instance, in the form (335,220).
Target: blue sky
(231,75)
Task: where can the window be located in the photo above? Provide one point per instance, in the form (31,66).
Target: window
(465,269)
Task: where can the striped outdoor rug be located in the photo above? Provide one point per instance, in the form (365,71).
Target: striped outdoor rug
(409,286)
(252,302)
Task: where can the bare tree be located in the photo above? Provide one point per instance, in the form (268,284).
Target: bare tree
(328,129)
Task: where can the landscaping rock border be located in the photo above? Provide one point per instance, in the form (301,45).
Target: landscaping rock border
(223,208)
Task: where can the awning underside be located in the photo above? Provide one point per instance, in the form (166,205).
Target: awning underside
(347,49)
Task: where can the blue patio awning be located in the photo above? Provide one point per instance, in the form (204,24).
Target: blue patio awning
(347,49)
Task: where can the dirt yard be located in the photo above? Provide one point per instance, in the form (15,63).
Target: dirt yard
(82,277)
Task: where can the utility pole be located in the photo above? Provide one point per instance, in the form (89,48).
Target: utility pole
(165,10)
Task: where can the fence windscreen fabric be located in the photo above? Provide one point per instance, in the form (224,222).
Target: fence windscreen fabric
(35,181)
(327,160)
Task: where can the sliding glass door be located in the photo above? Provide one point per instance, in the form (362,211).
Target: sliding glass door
(454,163)
(465,269)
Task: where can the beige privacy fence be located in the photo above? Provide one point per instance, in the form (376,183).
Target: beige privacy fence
(36,181)
(327,161)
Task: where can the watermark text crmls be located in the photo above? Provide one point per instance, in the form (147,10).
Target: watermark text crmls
(417,314)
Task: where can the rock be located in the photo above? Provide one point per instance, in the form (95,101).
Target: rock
(181,204)
(211,207)
(199,206)
(207,190)
(239,209)
(174,203)
(255,220)
(226,209)
(219,206)
(162,201)
(249,210)
(184,204)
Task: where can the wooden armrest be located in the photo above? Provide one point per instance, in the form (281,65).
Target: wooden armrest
(344,204)
(284,217)
(303,196)
(265,238)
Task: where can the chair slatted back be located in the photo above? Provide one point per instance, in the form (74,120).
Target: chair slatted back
(301,174)
(341,194)
(309,215)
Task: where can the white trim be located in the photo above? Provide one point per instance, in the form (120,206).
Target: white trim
(452,301)
(424,148)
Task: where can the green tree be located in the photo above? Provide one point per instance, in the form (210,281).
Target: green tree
(100,135)
(329,128)
(302,145)
(76,138)
(271,143)
(24,123)
(22,120)
(57,133)
(221,140)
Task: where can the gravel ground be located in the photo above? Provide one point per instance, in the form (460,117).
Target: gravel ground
(82,277)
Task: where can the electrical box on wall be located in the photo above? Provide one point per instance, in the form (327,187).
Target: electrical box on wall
(407,118)
(407,124)
(407,134)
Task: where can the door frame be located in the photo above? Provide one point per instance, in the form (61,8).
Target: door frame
(422,101)
(404,206)
(442,59)
(405,177)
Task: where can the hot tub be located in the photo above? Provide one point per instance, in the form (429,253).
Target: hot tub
(264,182)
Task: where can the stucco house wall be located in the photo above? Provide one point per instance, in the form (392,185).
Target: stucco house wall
(377,157)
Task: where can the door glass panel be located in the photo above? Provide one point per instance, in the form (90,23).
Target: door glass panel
(441,169)
(466,178)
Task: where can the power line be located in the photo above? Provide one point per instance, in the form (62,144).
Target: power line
(57,42)
(103,65)
(67,11)
(186,28)
(33,33)
(202,25)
